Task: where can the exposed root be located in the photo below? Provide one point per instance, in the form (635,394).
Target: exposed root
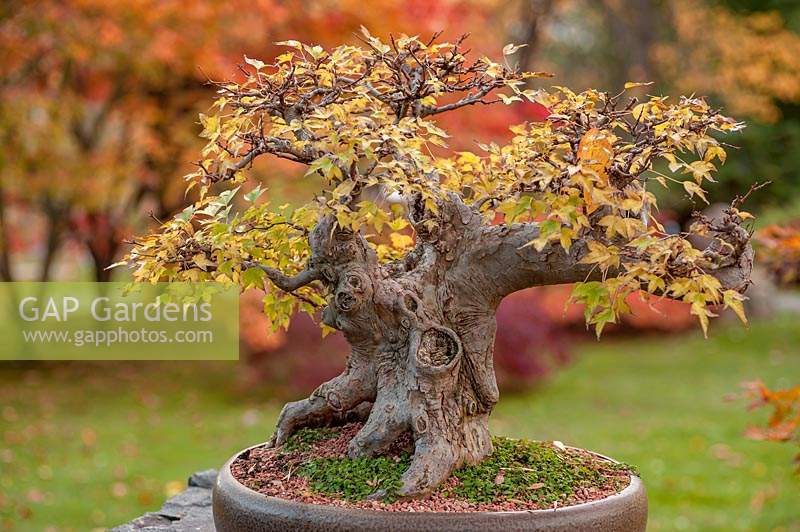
(434,459)
(375,441)
(341,400)
(383,427)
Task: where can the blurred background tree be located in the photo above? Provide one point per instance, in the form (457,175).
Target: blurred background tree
(779,252)
(109,90)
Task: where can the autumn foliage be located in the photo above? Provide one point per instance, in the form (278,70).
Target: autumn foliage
(783,424)
(360,120)
(779,252)
(750,61)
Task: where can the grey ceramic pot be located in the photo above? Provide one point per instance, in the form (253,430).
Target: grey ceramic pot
(240,509)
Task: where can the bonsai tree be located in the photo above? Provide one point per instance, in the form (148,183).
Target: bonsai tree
(408,249)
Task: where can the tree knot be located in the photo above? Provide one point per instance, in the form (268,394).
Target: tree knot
(436,348)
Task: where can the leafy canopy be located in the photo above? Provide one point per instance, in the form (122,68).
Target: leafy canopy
(362,119)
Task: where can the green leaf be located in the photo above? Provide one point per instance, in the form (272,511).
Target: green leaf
(186,214)
(592,294)
(225,196)
(254,194)
(253,278)
(601,319)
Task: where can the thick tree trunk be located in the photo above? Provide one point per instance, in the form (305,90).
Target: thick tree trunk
(54,218)
(99,232)
(422,332)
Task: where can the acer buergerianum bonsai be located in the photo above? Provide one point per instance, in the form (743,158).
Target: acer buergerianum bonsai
(407,248)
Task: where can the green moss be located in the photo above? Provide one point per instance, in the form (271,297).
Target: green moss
(301,440)
(526,470)
(519,470)
(355,479)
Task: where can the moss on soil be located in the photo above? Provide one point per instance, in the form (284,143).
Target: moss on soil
(302,439)
(518,471)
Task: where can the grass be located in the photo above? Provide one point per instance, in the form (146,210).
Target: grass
(87,446)
(93,445)
(303,439)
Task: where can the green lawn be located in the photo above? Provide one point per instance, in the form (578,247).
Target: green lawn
(661,404)
(87,446)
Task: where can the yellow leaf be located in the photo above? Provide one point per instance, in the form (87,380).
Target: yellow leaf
(566,238)
(292,43)
(512,48)
(655,284)
(401,241)
(509,99)
(734,300)
(680,286)
(255,63)
(595,151)
(674,165)
(701,170)
(715,151)
(693,188)
(601,255)
(201,261)
(699,310)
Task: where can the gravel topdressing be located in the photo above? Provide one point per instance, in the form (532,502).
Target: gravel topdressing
(313,467)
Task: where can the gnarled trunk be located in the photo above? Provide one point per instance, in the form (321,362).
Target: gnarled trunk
(422,334)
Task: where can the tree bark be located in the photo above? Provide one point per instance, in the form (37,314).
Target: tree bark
(54,217)
(422,332)
(6,274)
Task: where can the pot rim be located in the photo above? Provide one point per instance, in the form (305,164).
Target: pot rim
(226,481)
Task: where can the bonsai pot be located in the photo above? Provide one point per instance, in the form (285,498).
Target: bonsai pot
(237,508)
